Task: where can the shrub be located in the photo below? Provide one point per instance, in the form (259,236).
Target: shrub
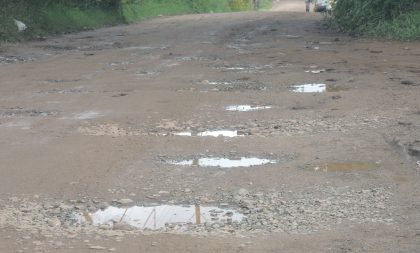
(367,16)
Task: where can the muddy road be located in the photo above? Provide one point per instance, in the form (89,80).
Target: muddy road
(245,132)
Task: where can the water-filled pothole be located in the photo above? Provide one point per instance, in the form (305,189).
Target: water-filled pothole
(224,162)
(318,88)
(165,217)
(246,108)
(310,88)
(217,133)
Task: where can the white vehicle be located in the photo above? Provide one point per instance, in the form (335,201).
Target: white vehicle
(322,5)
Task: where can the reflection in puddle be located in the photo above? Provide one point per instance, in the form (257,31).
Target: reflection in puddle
(224,133)
(218,133)
(183,134)
(318,87)
(315,71)
(335,167)
(165,216)
(246,108)
(311,87)
(224,162)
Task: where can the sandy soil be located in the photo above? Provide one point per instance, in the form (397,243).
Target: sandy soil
(94,116)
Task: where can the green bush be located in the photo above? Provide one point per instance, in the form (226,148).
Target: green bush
(60,16)
(390,18)
(240,5)
(405,27)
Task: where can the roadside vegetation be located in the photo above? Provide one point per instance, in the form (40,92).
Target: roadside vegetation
(43,17)
(391,19)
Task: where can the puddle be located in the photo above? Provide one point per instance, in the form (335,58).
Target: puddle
(163,217)
(224,162)
(224,133)
(315,71)
(183,134)
(246,108)
(337,167)
(310,88)
(217,133)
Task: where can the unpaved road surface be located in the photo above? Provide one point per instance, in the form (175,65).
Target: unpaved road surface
(107,144)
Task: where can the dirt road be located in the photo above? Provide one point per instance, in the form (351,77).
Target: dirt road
(108,139)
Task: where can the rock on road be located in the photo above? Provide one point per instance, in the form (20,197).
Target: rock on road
(154,113)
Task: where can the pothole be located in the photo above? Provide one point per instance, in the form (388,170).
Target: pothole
(246,108)
(165,217)
(318,88)
(315,71)
(224,162)
(217,133)
(310,88)
(302,211)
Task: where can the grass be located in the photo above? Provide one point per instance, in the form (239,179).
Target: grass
(54,20)
(266,4)
(58,18)
(391,19)
(148,9)
(405,27)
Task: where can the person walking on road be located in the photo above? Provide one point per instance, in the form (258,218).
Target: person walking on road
(256,4)
(308,4)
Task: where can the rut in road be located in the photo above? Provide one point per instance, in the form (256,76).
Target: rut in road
(236,132)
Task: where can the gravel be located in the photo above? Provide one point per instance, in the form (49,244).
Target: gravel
(316,209)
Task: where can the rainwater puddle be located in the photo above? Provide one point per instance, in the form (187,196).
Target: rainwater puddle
(163,217)
(217,133)
(318,88)
(310,88)
(224,133)
(224,162)
(341,167)
(183,134)
(246,108)
(315,71)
